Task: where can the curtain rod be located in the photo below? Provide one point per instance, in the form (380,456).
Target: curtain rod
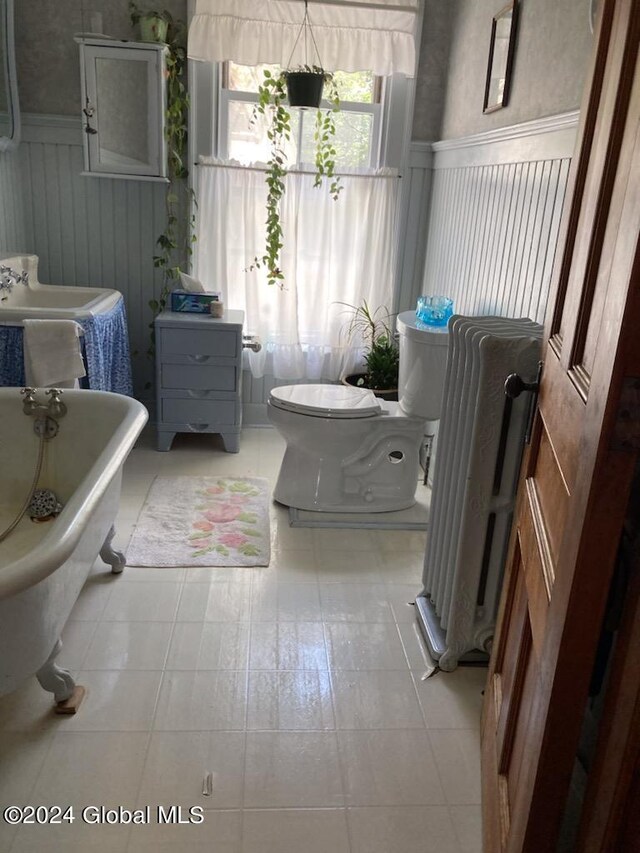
(368,6)
(291,171)
(382,7)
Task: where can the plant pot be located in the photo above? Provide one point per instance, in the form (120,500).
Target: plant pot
(304,88)
(153,29)
(389,394)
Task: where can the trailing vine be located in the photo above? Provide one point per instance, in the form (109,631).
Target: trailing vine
(324,135)
(272,96)
(272,103)
(175,244)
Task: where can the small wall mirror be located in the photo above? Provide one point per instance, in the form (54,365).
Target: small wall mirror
(9,106)
(501,48)
(123,108)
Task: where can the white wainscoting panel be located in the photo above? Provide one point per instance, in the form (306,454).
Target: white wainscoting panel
(414,211)
(12,222)
(486,216)
(95,232)
(495,211)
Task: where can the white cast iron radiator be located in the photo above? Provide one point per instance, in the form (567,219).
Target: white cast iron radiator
(480,442)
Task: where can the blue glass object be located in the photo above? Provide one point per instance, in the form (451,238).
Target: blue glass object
(434,310)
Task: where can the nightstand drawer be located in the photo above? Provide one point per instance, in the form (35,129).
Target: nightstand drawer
(198,343)
(198,411)
(196,377)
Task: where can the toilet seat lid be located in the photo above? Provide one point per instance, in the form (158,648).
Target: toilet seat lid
(326,401)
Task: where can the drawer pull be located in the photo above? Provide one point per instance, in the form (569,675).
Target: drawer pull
(199,395)
(199,359)
(198,427)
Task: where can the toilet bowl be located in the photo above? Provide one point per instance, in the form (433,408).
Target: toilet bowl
(349,451)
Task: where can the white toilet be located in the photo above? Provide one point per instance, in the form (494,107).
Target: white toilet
(349,451)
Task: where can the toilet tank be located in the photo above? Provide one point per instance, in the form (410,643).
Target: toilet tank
(423,362)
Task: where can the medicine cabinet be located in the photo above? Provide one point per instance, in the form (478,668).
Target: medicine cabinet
(123,108)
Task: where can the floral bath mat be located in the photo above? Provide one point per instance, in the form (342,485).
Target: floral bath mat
(203,521)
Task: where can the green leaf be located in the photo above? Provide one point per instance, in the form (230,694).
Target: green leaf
(202,552)
(221,550)
(249,550)
(251,531)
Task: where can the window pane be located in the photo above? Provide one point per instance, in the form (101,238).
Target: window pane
(352,140)
(356,86)
(248,143)
(247,78)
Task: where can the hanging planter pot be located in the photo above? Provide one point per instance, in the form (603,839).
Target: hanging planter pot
(304,88)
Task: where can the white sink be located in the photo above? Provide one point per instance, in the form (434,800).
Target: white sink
(50,301)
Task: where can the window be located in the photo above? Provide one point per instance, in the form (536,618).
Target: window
(358,124)
(334,252)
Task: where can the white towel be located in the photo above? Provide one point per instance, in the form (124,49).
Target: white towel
(52,353)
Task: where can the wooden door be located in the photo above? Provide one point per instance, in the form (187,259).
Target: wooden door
(578,469)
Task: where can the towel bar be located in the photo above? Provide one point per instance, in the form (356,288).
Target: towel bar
(20,325)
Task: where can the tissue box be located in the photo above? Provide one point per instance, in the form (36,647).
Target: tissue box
(193,303)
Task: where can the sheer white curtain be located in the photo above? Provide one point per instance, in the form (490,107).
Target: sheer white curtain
(335,251)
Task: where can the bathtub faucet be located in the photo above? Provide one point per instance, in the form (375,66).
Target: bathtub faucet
(55,408)
(10,277)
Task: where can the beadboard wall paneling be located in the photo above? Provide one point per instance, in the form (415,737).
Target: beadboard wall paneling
(489,230)
(12,220)
(414,211)
(495,211)
(95,232)
(101,232)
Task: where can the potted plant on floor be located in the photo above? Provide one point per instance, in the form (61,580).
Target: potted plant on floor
(381,355)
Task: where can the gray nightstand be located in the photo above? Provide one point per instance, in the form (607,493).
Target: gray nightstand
(199,376)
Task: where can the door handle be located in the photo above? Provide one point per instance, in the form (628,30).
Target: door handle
(514,386)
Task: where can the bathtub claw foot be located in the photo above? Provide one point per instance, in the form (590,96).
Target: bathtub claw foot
(55,679)
(115,559)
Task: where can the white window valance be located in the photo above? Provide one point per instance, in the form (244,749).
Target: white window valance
(351,35)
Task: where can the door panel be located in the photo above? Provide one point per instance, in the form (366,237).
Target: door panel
(574,485)
(551,493)
(537,569)
(563,416)
(573,312)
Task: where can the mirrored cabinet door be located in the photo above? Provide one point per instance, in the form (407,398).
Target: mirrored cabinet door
(123,109)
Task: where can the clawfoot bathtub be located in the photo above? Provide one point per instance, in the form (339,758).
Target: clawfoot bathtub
(43,566)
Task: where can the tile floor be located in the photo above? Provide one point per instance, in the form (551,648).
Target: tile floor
(299,686)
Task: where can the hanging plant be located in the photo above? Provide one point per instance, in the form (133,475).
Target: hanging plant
(272,103)
(176,241)
(295,87)
(304,87)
